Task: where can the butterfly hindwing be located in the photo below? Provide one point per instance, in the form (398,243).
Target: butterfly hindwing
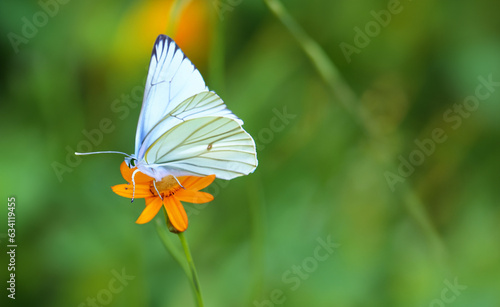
(203,146)
(199,105)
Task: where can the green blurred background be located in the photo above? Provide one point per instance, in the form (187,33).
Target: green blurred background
(322,174)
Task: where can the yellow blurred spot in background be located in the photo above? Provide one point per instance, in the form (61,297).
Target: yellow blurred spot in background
(146,20)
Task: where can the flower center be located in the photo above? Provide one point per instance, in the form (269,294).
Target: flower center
(167,186)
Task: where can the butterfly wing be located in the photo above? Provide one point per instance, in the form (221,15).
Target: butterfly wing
(184,129)
(202,146)
(199,105)
(172,78)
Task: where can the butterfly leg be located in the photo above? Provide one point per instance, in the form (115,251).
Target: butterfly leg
(133,182)
(154,184)
(178,182)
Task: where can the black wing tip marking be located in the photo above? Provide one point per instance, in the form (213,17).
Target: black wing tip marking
(164,40)
(159,40)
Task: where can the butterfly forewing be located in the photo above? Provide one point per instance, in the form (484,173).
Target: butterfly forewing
(172,78)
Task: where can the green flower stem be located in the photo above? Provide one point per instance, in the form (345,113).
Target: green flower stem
(188,267)
(169,246)
(194,275)
(418,212)
(343,92)
(325,67)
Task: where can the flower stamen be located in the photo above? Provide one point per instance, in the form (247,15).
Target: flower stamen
(166,187)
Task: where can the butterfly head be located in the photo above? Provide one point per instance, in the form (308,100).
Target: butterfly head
(131,161)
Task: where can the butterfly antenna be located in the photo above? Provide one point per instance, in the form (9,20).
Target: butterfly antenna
(133,182)
(178,182)
(154,184)
(100,152)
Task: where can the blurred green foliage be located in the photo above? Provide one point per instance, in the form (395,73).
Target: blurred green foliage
(324,174)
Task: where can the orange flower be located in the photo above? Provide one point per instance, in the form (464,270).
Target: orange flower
(171,194)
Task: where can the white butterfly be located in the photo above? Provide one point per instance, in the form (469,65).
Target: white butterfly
(185,129)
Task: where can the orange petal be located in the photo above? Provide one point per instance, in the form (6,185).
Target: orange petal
(127,190)
(150,211)
(150,199)
(194,197)
(127,174)
(196,183)
(176,213)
